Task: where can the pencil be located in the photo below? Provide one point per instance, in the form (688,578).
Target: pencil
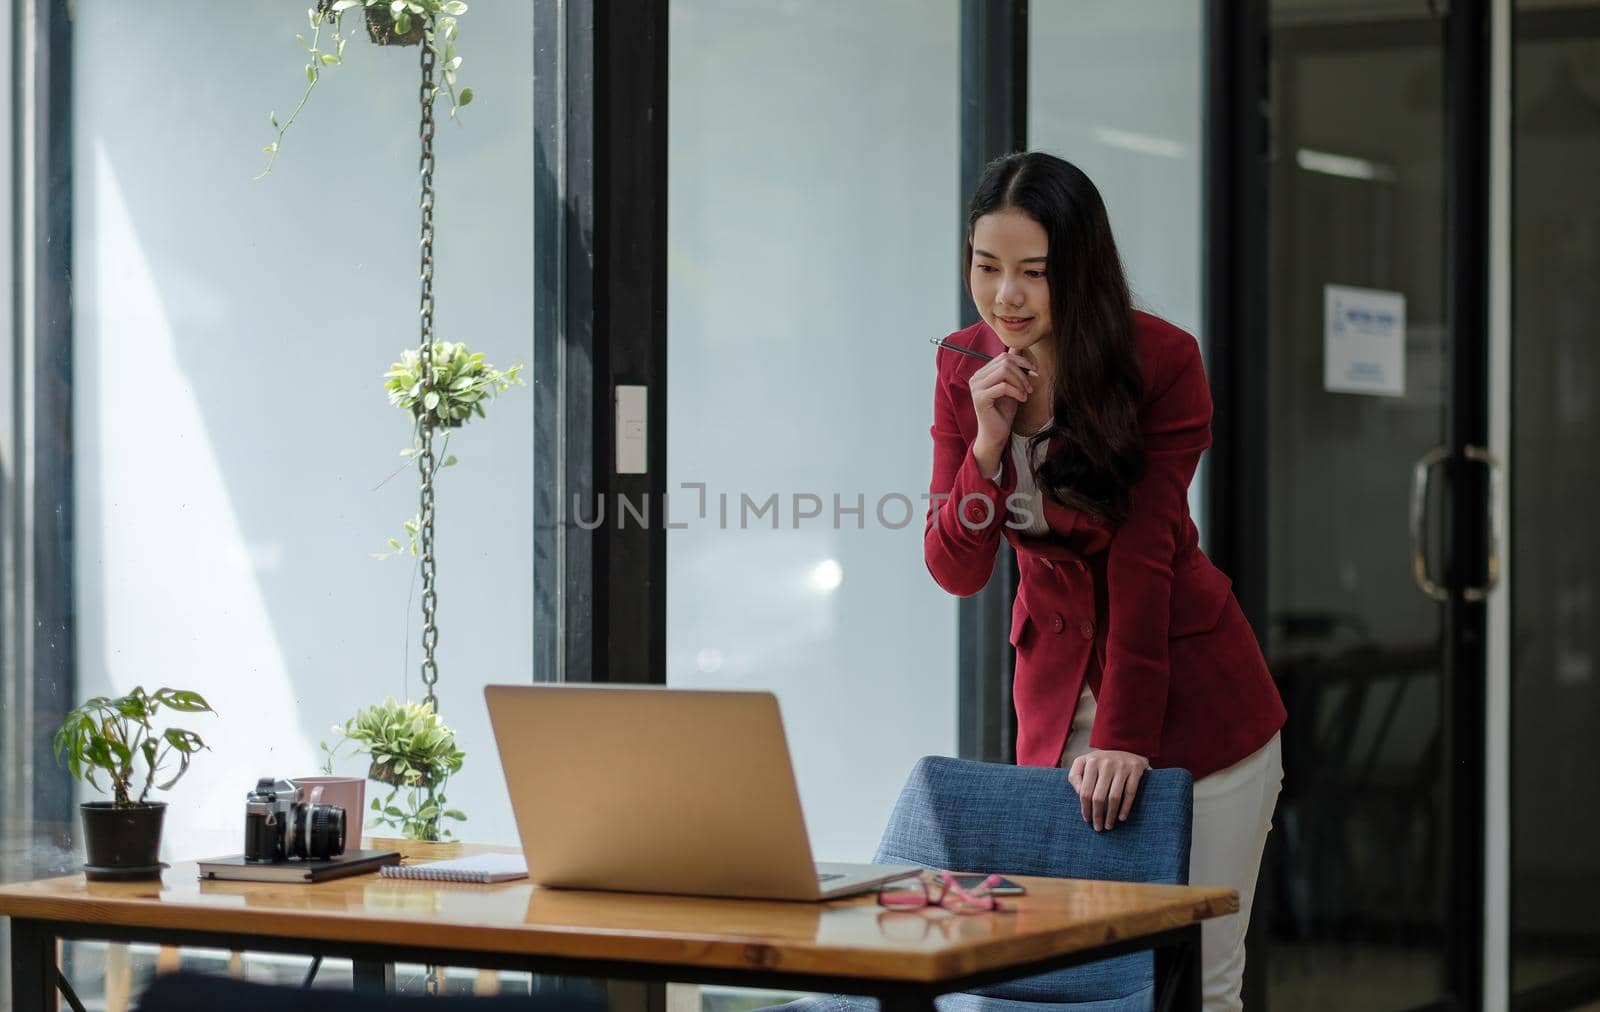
(941,342)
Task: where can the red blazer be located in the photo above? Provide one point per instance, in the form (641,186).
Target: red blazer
(1180,677)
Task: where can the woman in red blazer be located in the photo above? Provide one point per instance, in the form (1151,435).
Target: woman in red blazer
(1076,442)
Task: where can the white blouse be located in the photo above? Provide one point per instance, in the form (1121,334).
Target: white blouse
(1028,489)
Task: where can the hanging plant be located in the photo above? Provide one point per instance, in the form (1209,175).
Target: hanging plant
(462,384)
(389,23)
(412,751)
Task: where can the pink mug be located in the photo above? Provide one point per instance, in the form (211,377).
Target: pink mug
(349,793)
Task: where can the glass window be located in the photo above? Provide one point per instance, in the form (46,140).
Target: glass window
(234,461)
(1555,702)
(1117,89)
(813,175)
(237,462)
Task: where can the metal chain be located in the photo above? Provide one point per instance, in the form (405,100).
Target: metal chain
(434,984)
(430,598)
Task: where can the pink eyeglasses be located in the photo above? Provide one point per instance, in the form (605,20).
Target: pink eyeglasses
(939,888)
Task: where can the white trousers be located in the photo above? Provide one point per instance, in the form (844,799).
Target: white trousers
(1232,816)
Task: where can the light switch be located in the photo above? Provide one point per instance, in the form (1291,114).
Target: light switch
(632,446)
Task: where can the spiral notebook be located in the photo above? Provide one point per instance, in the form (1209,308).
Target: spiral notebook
(477,868)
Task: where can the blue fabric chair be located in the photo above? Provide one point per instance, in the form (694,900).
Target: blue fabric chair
(986,817)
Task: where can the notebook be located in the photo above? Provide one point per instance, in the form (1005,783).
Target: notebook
(477,868)
(352,862)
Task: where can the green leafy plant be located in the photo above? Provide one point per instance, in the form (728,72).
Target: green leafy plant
(385,18)
(108,735)
(413,751)
(462,383)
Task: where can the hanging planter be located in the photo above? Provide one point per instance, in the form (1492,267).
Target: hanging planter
(410,749)
(387,773)
(385,29)
(431,23)
(460,385)
(386,26)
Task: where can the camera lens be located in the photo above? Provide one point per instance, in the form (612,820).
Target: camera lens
(324,835)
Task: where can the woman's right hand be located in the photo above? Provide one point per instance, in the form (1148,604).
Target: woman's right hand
(998,389)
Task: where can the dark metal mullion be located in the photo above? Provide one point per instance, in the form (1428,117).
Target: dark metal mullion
(568,372)
(549,126)
(54,669)
(41,600)
(609,594)
(1237,132)
(1466,278)
(630,172)
(1237,136)
(994,122)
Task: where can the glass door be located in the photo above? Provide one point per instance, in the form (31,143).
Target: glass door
(1555,425)
(1367,895)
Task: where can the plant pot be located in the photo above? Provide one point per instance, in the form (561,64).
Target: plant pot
(432,418)
(349,793)
(380,28)
(384,773)
(122,842)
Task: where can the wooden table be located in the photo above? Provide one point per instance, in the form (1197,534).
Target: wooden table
(850,946)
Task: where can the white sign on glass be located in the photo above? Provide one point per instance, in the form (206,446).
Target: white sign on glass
(1364,341)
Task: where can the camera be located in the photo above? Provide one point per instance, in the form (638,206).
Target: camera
(281,825)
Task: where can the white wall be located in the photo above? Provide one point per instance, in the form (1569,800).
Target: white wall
(813,250)
(230,420)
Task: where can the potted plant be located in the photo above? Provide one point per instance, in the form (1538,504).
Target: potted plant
(122,837)
(410,749)
(389,23)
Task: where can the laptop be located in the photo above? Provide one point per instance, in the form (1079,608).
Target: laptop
(644,789)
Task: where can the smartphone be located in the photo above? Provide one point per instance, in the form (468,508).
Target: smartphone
(1005,887)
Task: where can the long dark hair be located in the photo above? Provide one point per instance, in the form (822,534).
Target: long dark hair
(1097,454)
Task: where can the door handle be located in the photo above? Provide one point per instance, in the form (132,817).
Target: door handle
(1421,476)
(1496,522)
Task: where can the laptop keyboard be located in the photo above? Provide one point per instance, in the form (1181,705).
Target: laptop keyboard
(828,878)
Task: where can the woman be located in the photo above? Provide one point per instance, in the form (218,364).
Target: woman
(1076,442)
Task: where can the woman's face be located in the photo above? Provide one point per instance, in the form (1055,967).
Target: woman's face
(1008,278)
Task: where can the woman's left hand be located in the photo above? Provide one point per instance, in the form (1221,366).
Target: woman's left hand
(1106,783)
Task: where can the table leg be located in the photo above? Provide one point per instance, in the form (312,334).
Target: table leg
(33,966)
(119,977)
(635,996)
(372,977)
(1178,973)
(906,1002)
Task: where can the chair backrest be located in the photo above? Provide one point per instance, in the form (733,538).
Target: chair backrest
(1023,820)
(1019,820)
